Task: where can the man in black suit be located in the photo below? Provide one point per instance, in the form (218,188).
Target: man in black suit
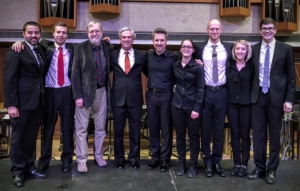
(23,92)
(215,100)
(126,65)
(273,92)
(58,96)
(90,78)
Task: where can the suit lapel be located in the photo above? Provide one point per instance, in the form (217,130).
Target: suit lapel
(90,52)
(30,53)
(276,54)
(256,55)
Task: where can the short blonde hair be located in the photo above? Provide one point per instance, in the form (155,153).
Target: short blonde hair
(249,50)
(93,23)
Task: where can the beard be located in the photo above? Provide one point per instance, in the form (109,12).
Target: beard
(95,40)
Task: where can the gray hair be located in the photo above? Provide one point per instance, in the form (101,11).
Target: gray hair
(93,23)
(126,29)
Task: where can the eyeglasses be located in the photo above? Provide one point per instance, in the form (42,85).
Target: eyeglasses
(267,29)
(187,47)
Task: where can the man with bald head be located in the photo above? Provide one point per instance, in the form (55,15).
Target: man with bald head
(215,56)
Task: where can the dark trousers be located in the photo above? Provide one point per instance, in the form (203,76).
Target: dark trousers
(182,120)
(159,119)
(214,110)
(134,121)
(239,118)
(58,101)
(266,117)
(23,140)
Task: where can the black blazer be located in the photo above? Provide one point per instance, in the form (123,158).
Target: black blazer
(199,47)
(84,71)
(282,74)
(23,78)
(127,88)
(49,47)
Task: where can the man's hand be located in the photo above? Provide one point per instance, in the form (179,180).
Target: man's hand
(287,107)
(13,112)
(199,62)
(17,46)
(79,102)
(106,39)
(194,115)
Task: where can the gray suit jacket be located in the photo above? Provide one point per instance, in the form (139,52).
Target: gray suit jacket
(84,71)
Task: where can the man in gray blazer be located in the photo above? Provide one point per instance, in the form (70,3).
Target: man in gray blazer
(272,93)
(90,79)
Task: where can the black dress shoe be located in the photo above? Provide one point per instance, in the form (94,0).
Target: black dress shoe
(180,170)
(135,165)
(271,177)
(42,168)
(256,174)
(120,165)
(164,166)
(208,171)
(36,174)
(153,164)
(192,172)
(218,169)
(17,180)
(243,171)
(66,168)
(235,170)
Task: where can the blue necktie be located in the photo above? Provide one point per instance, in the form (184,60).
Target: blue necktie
(265,85)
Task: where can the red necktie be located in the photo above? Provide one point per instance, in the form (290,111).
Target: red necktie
(60,67)
(127,63)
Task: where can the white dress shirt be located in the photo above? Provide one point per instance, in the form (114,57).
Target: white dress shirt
(262,56)
(208,64)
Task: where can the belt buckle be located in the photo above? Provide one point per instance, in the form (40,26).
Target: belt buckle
(216,88)
(155,90)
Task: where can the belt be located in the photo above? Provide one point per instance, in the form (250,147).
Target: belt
(215,88)
(100,86)
(157,90)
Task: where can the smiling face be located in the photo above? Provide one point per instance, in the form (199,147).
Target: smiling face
(126,40)
(268,31)
(187,49)
(32,34)
(95,34)
(214,30)
(60,35)
(159,42)
(240,52)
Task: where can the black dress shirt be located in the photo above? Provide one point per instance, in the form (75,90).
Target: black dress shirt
(160,73)
(239,83)
(103,62)
(189,86)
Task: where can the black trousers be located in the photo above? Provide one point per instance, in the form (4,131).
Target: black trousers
(134,121)
(213,119)
(266,119)
(23,140)
(160,121)
(239,118)
(182,120)
(58,101)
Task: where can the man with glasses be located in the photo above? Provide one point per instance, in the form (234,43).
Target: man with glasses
(273,91)
(216,56)
(90,78)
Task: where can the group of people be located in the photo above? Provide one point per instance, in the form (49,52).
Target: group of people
(253,86)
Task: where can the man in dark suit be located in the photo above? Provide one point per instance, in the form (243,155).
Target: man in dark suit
(23,89)
(58,97)
(273,92)
(126,65)
(90,78)
(216,56)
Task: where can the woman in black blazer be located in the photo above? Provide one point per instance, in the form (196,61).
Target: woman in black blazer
(238,110)
(186,104)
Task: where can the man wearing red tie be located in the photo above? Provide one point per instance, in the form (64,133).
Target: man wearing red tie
(126,65)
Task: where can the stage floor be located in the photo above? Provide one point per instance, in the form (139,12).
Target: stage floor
(112,179)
